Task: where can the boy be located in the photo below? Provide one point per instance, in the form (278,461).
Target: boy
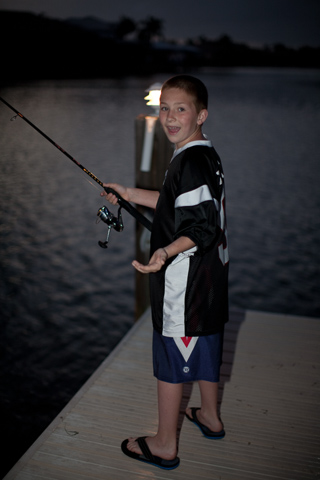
(188,271)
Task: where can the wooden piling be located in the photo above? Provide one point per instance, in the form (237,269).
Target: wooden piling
(151,177)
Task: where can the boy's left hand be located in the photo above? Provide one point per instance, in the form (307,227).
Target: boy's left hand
(157,260)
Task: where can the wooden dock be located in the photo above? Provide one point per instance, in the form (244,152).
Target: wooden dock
(270,404)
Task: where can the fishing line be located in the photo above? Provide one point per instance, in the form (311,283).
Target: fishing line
(104,214)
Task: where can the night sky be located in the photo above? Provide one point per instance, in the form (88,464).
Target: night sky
(294,23)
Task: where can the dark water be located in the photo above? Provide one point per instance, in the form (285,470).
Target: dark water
(65,303)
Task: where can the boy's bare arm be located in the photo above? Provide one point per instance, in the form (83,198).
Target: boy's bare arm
(140,196)
(180,245)
(147,198)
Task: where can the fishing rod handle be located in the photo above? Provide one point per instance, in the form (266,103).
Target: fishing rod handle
(110,190)
(133,211)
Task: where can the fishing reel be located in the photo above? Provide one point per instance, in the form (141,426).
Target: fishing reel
(112,221)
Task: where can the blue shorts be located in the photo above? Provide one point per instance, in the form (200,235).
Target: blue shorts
(187,359)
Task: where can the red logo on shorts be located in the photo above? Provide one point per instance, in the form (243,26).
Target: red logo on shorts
(186,340)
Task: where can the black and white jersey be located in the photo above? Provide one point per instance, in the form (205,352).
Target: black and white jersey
(189,295)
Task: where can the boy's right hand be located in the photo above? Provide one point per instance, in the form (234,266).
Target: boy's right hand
(111,197)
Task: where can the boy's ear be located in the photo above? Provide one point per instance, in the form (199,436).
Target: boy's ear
(202,117)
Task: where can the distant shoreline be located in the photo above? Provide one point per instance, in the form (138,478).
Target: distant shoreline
(44,48)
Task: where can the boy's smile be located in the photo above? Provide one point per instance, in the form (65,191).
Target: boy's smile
(179,117)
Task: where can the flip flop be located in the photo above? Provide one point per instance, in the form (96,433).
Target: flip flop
(205,430)
(147,456)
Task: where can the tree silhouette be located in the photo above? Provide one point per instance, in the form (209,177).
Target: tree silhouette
(125,26)
(150,28)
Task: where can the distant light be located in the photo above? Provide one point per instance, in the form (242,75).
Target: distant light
(153,97)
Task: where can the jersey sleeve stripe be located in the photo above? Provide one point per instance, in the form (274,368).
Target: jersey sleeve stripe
(194,197)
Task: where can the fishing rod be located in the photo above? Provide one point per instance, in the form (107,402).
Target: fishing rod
(104,213)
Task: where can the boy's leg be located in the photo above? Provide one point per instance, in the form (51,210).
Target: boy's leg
(208,415)
(164,443)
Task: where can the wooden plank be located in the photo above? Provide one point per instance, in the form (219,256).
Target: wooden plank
(269,394)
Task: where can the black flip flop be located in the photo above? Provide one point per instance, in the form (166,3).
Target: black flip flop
(147,456)
(205,430)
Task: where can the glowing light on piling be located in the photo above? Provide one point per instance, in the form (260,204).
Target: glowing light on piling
(153,97)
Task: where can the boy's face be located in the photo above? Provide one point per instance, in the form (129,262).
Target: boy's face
(179,117)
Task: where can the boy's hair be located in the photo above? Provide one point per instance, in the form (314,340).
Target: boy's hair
(193,86)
